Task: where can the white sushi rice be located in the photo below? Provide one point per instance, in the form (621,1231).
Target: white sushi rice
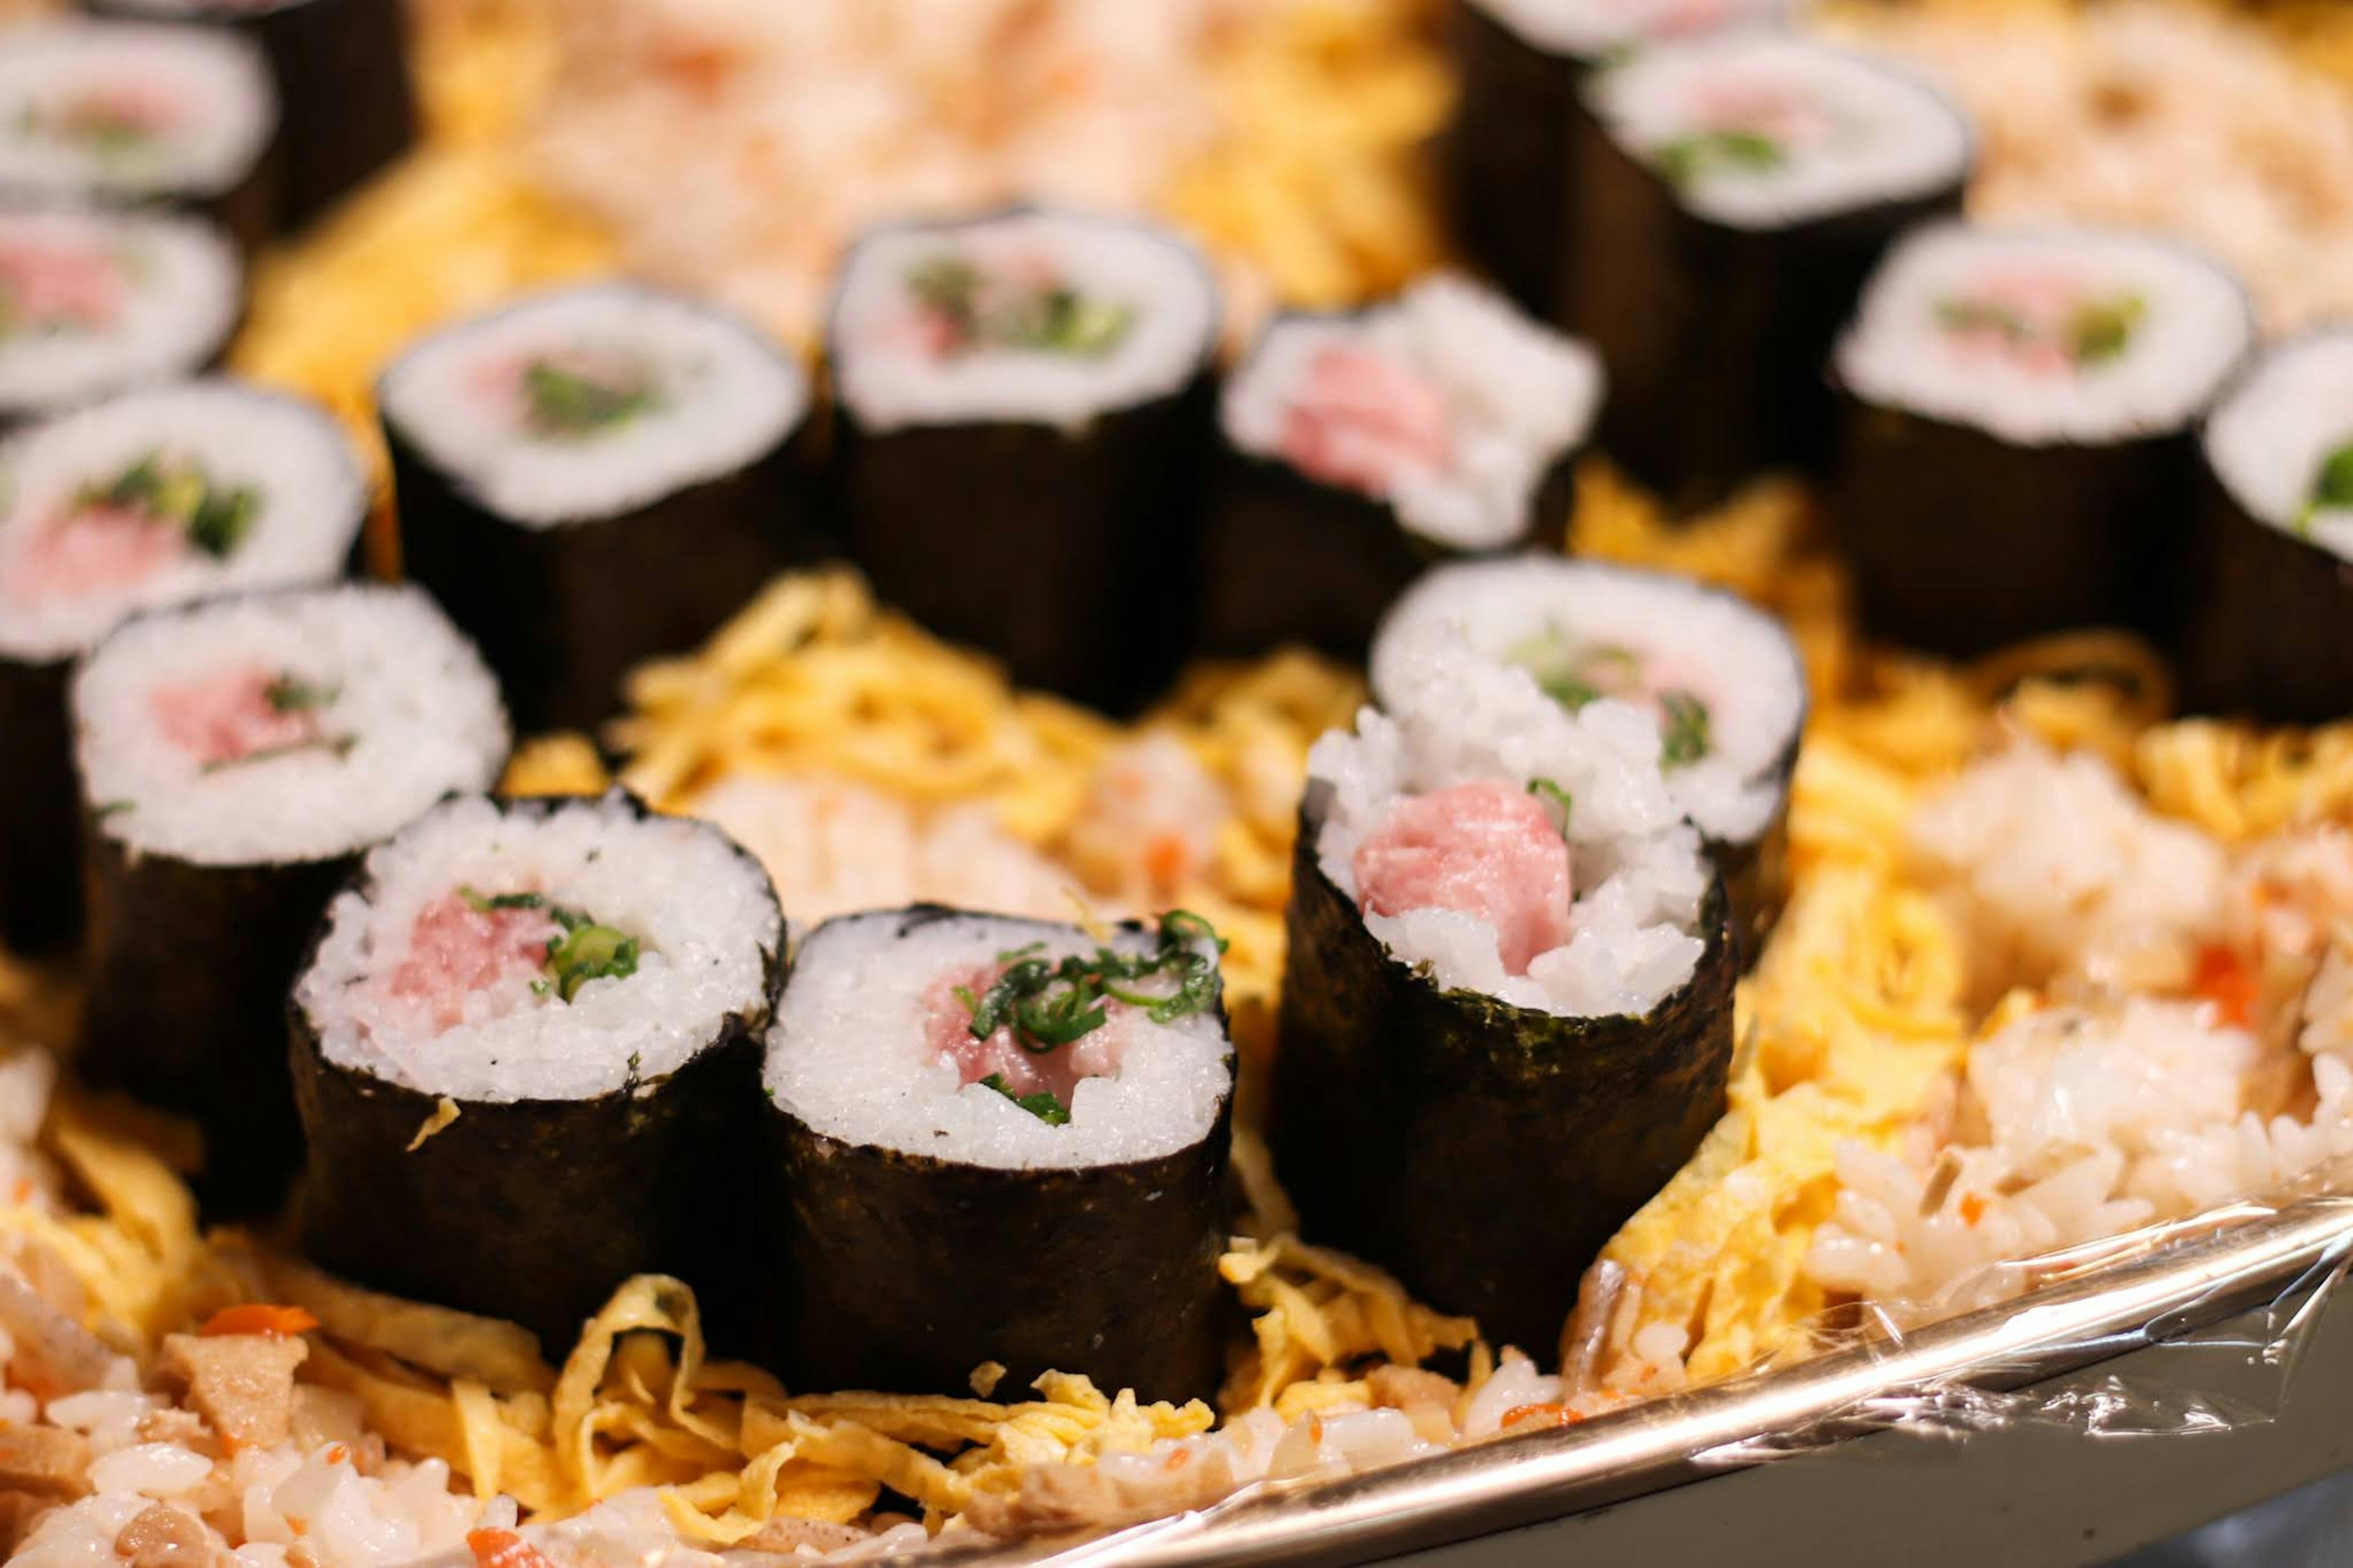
(1639,872)
(724,397)
(2273,433)
(1518,394)
(1738,660)
(887,378)
(312,501)
(1861,133)
(704,914)
(421,708)
(213,84)
(2196,327)
(851,1054)
(1588,29)
(183,290)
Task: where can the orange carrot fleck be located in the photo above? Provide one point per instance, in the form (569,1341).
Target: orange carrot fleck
(1541,1416)
(258,1318)
(1973,1208)
(504,1549)
(2226,980)
(1165,858)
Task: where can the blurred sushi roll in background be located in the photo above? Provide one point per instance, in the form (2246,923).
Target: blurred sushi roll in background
(132,114)
(235,758)
(1732,195)
(1023,400)
(594,477)
(2018,453)
(154,499)
(2267,606)
(1721,677)
(1360,449)
(1520,68)
(526,1047)
(97,302)
(1506,1014)
(999,1140)
(346,99)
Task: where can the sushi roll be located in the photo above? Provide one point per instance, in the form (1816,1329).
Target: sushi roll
(1721,677)
(999,1140)
(1521,67)
(1022,401)
(126,113)
(525,1048)
(235,756)
(1506,1014)
(1360,449)
(154,499)
(2018,455)
(2271,584)
(348,101)
(94,303)
(594,477)
(1732,198)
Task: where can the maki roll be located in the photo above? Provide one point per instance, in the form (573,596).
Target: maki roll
(999,1140)
(1022,400)
(523,1044)
(1521,67)
(155,499)
(1362,448)
(2018,455)
(1506,1014)
(1733,196)
(347,102)
(235,757)
(132,114)
(2271,585)
(594,477)
(94,303)
(1720,679)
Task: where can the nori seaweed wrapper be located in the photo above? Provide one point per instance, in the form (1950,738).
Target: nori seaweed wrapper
(904,1272)
(346,99)
(1504,161)
(189,969)
(563,613)
(40,810)
(1288,559)
(1717,338)
(1962,542)
(2266,620)
(1062,552)
(1482,1152)
(533,1210)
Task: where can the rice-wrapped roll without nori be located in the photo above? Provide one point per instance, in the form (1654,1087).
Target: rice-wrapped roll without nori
(126,113)
(1520,69)
(594,477)
(1506,1014)
(2018,457)
(1023,399)
(1733,193)
(155,499)
(1721,677)
(1359,448)
(236,756)
(526,1047)
(2267,603)
(999,1140)
(347,104)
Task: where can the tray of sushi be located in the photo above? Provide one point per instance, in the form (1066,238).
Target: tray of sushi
(1165,785)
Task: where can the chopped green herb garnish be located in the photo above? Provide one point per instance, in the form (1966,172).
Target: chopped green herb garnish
(2100,330)
(341,745)
(1041,1105)
(1048,1005)
(112,807)
(569,404)
(2332,489)
(291,694)
(586,952)
(1042,319)
(1688,159)
(216,519)
(1683,728)
(482,905)
(1559,798)
(1574,674)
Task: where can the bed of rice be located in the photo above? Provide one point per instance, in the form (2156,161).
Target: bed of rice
(215,81)
(1591,30)
(2275,430)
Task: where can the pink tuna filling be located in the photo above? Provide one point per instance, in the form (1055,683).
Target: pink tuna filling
(1768,108)
(1483,849)
(94,549)
(456,950)
(1364,421)
(45,287)
(229,717)
(1057,1072)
